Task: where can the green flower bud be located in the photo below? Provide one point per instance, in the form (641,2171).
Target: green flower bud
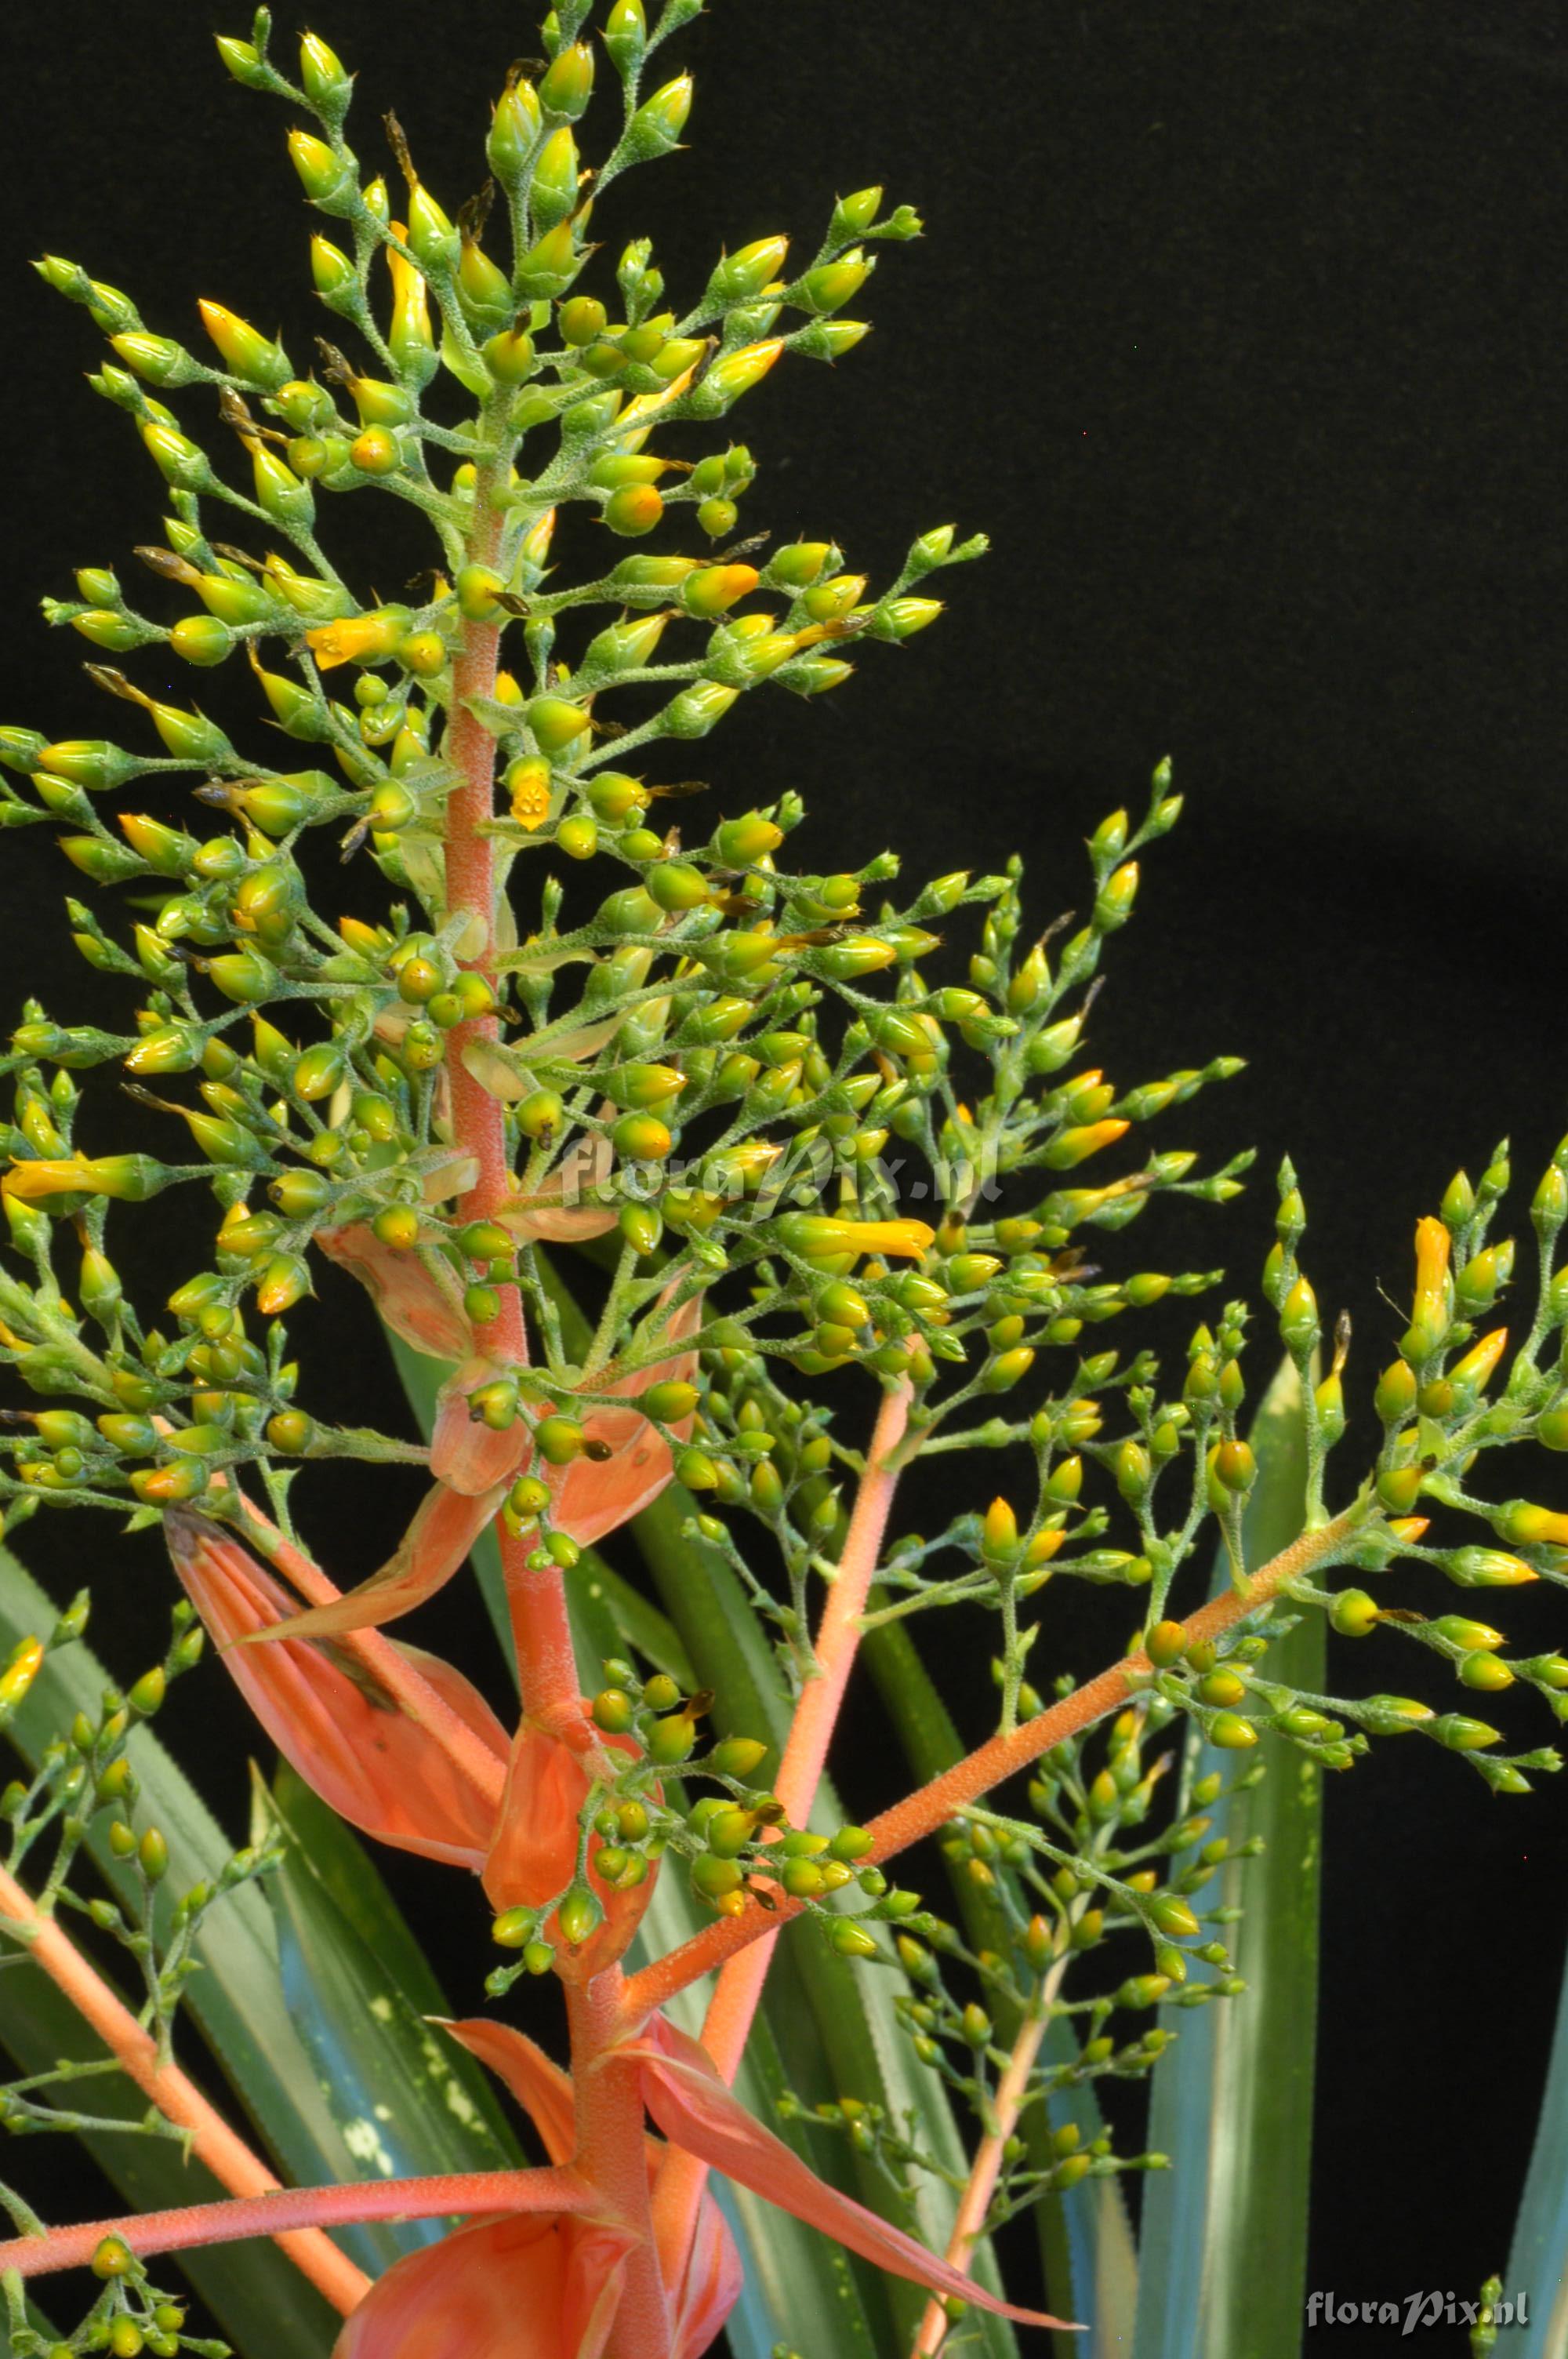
(1483,1672)
(321,176)
(553,724)
(833,284)
(1459,1735)
(742,275)
(158,358)
(625,36)
(732,376)
(549,266)
(567,82)
(852,216)
(671,1739)
(1231,1732)
(513,132)
(633,510)
(613,1711)
(509,356)
(328,85)
(580,1914)
(658,123)
(514,1927)
(554,188)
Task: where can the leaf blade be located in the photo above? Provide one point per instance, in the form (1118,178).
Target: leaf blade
(1231,2101)
(1539,2255)
(361,1991)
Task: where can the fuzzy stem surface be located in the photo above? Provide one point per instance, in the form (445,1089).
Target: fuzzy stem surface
(611,2157)
(284,2213)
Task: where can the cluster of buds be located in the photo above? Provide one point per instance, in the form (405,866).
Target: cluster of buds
(129,2318)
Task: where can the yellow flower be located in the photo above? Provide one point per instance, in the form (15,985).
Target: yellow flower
(28,1181)
(1431,1297)
(815,1235)
(359,639)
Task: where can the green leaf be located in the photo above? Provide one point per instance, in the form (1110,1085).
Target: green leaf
(1538,2260)
(237,2001)
(407,2099)
(1231,2102)
(1086,2238)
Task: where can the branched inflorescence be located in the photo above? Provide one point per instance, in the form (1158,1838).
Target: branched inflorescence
(809,1168)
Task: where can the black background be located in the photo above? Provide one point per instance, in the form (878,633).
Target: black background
(1239,331)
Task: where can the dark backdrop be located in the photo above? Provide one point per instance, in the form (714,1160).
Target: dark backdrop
(1239,331)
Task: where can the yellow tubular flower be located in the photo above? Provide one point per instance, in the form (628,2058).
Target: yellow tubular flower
(1432,1250)
(363,638)
(814,1234)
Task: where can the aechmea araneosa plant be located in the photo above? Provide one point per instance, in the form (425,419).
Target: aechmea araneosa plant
(599,1114)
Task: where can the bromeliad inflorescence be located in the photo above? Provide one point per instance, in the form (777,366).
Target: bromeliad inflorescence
(698,1192)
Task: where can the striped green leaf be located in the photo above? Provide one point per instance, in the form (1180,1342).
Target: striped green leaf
(407,2099)
(1223,2245)
(1538,2260)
